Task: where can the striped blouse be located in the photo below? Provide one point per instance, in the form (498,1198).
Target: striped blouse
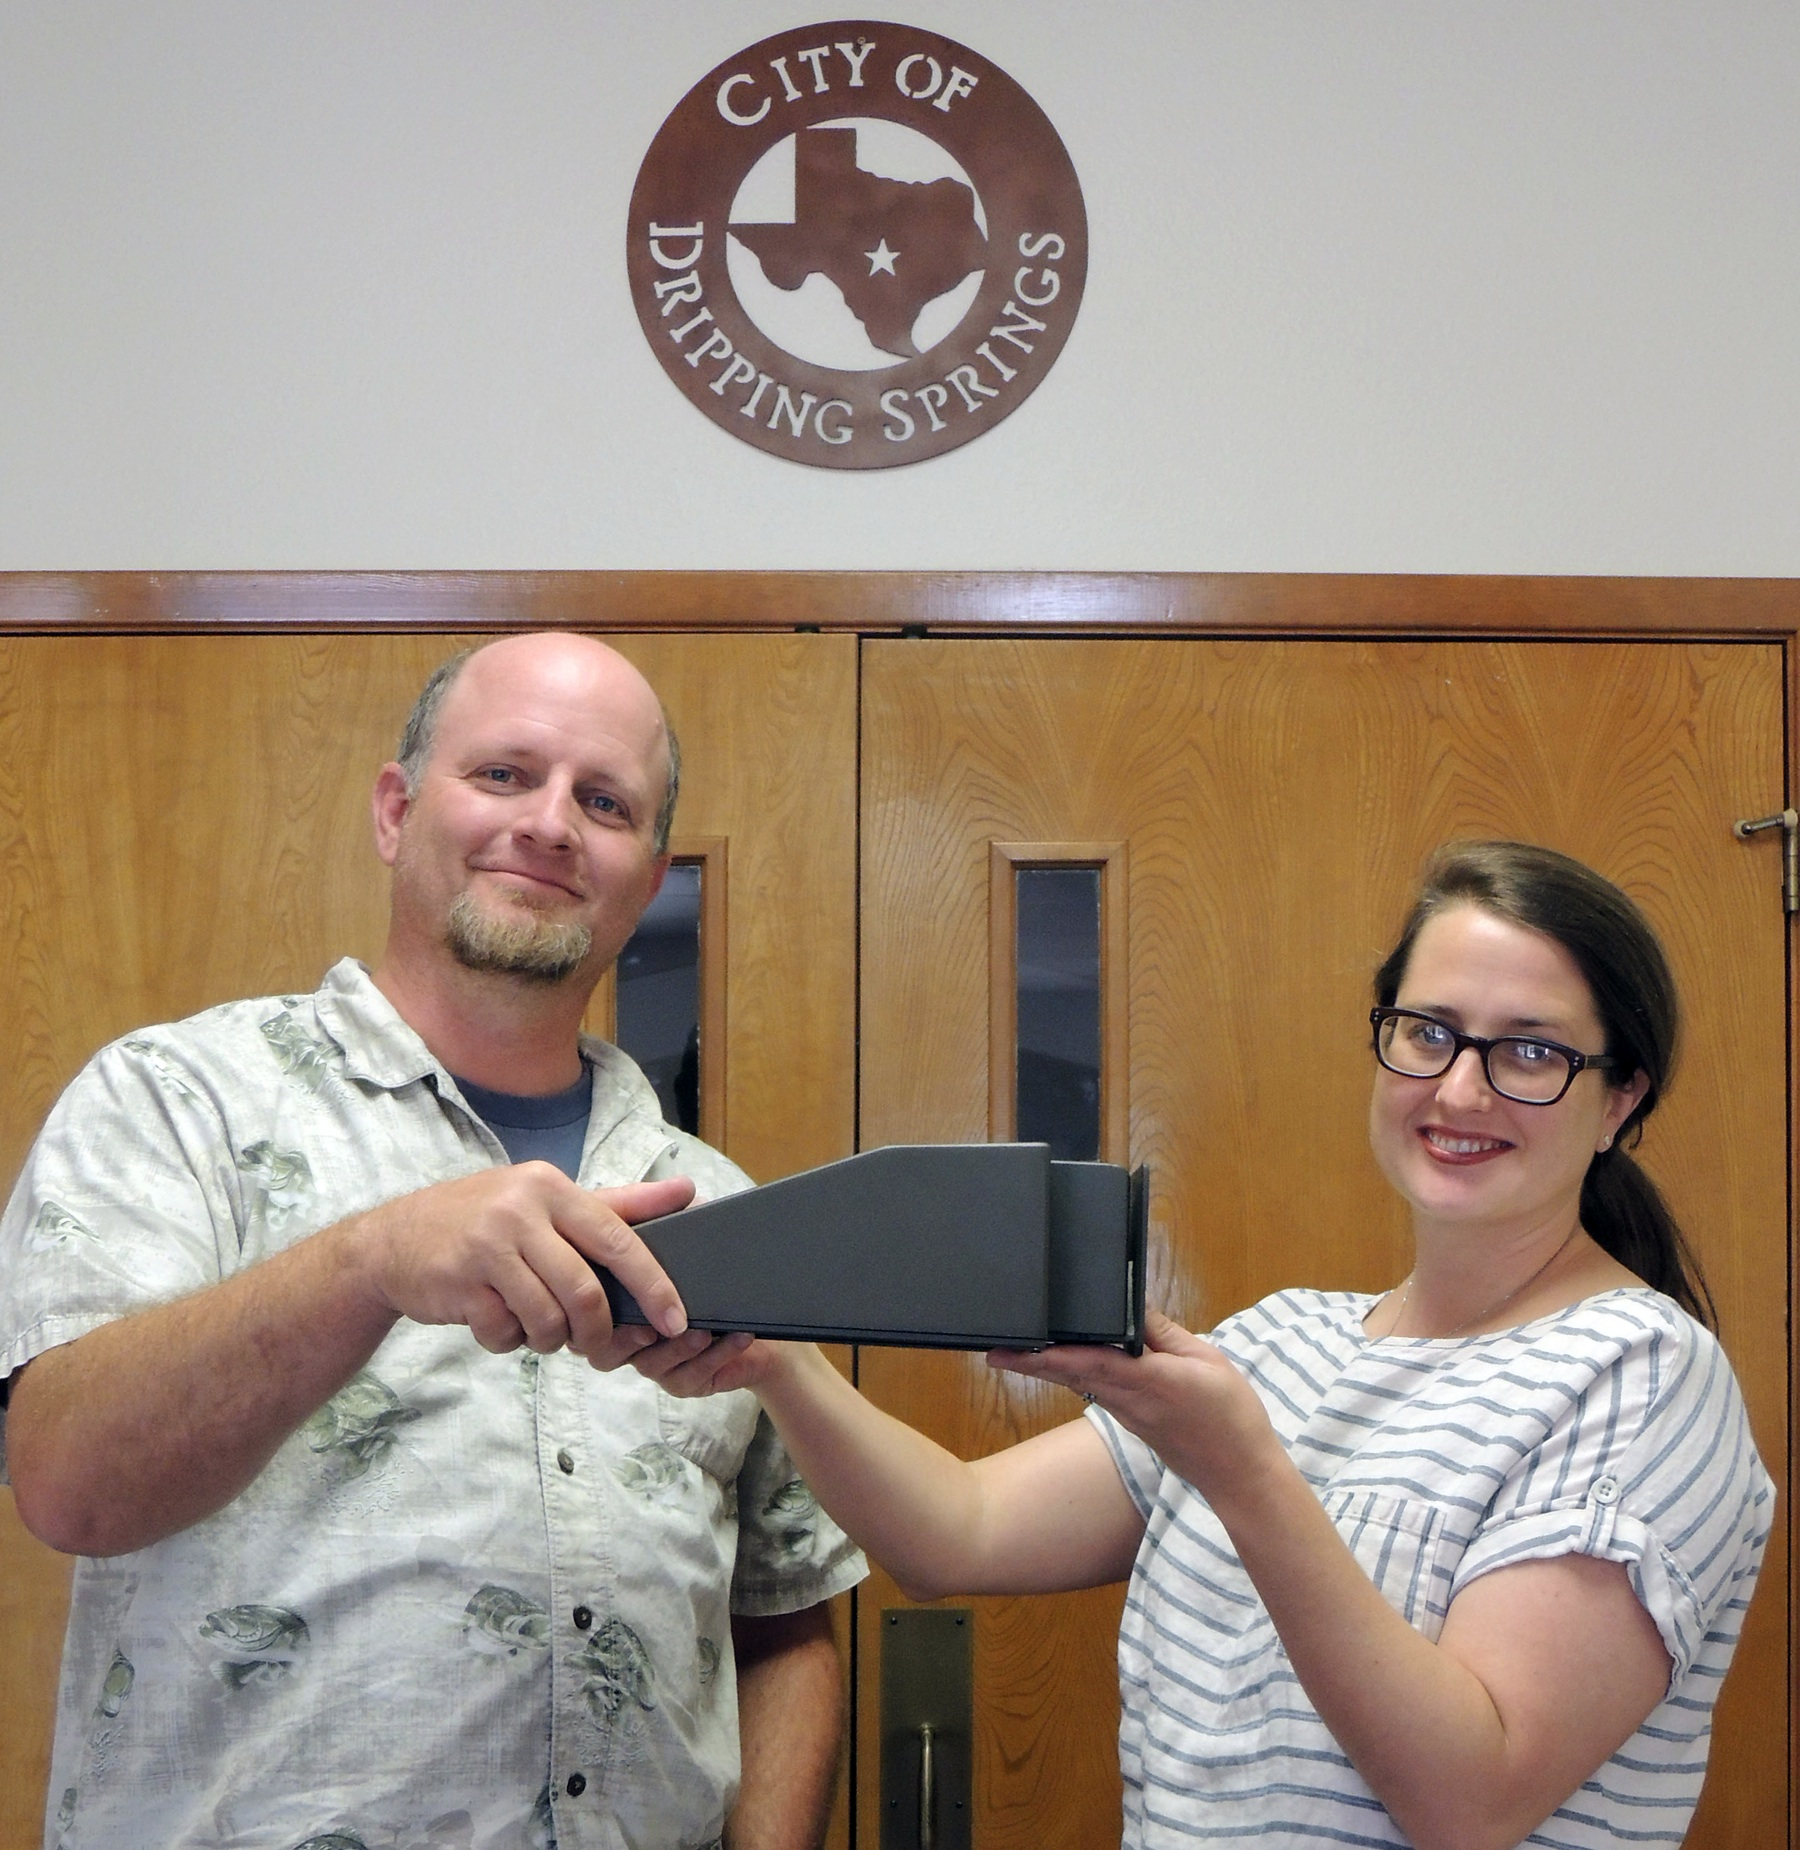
(1614,1428)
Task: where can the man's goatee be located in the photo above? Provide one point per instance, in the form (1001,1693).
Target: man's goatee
(541,950)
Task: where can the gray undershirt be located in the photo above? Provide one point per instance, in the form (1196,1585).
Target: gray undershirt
(547,1130)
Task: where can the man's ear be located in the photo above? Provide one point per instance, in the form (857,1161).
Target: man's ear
(662,874)
(388,805)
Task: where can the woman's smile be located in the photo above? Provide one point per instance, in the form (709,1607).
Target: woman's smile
(1459,1147)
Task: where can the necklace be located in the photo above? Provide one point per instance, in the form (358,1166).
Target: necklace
(1498,1304)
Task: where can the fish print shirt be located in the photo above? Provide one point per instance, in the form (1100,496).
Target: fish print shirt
(477,1602)
(1613,1428)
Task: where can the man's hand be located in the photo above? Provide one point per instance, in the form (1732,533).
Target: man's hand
(507,1252)
(148,1424)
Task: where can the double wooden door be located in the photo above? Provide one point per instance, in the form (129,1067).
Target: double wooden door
(182,819)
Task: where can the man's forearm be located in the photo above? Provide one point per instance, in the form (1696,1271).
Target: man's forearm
(791,1725)
(147,1425)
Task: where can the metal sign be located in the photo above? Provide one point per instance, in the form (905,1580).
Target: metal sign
(856,245)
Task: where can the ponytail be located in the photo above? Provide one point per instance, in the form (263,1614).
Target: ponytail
(1624,1213)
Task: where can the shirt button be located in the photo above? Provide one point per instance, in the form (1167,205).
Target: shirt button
(1605,1490)
(583,1618)
(577,1785)
(565,1462)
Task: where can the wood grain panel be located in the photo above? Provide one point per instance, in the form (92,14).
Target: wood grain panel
(184,819)
(1278,799)
(1150,603)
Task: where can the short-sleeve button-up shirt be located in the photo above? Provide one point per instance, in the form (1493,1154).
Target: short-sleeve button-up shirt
(476,1600)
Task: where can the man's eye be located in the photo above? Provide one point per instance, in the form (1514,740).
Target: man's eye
(607,806)
(497,774)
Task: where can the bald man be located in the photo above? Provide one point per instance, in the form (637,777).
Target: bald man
(308,1363)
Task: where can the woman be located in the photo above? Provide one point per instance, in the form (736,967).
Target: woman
(1448,1566)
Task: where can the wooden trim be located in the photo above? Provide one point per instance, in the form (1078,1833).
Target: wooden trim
(1115,1005)
(602,1016)
(1003,991)
(1005,858)
(1072,603)
(708,853)
(1791,664)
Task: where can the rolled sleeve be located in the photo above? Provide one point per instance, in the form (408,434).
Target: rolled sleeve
(1682,1503)
(118,1207)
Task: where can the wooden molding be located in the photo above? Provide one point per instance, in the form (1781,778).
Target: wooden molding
(1072,603)
(708,853)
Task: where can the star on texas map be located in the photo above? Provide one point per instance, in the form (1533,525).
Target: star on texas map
(890,246)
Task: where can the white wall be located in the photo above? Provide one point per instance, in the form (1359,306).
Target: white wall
(1449,285)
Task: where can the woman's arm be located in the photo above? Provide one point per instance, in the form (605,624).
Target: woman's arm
(1542,1670)
(1041,1517)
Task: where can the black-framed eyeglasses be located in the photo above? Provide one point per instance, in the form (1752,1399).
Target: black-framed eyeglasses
(1521,1067)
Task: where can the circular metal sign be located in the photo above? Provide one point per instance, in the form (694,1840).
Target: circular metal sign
(857,245)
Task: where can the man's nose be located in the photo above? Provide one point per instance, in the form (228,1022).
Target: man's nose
(551,816)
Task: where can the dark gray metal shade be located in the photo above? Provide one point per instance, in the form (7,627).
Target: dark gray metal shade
(941,1246)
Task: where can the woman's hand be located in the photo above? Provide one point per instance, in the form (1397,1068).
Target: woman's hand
(697,1363)
(1185,1399)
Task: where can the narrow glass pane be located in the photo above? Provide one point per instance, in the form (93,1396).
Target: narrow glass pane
(659,996)
(1059,1010)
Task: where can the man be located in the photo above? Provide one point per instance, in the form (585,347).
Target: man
(355,1571)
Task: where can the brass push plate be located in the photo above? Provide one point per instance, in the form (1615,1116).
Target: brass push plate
(927,1728)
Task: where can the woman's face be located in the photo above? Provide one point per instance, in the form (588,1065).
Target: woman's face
(1459,1152)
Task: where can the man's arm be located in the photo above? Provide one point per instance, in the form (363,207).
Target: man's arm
(791,1725)
(145,1426)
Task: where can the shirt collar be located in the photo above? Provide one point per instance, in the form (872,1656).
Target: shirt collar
(380,1049)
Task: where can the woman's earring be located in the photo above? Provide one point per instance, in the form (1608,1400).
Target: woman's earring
(1606,1143)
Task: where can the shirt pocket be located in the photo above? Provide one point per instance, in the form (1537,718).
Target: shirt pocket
(1396,1542)
(713,1432)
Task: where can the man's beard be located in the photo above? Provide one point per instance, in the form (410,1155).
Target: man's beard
(516,943)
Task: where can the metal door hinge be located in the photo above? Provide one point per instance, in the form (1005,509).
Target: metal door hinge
(1788,822)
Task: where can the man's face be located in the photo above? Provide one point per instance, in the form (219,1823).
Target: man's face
(526,846)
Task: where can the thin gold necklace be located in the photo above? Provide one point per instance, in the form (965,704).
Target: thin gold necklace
(1499,1304)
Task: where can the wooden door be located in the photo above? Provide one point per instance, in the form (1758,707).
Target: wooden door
(185,819)
(1275,800)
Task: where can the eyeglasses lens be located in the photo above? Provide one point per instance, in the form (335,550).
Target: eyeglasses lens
(1527,1070)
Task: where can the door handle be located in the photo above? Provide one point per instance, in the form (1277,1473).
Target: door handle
(927,1728)
(1788,822)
